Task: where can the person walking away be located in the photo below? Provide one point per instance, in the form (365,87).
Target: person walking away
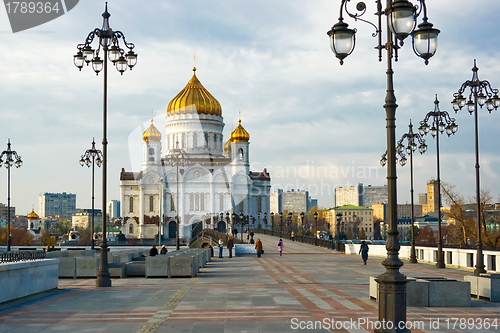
(258,247)
(230,245)
(292,236)
(163,249)
(364,251)
(252,241)
(221,247)
(248,233)
(280,247)
(153,252)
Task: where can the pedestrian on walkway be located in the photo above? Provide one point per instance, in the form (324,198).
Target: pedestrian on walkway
(163,249)
(364,251)
(258,248)
(230,245)
(280,247)
(221,247)
(248,233)
(292,236)
(153,251)
(252,241)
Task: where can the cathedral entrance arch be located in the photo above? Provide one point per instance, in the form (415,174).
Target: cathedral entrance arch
(196,229)
(171,229)
(221,226)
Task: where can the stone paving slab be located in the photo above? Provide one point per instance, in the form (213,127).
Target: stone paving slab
(306,286)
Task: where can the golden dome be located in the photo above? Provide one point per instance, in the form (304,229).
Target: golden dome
(240,134)
(33,215)
(194,98)
(151,134)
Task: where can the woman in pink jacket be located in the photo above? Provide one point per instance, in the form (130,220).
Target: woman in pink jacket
(281,246)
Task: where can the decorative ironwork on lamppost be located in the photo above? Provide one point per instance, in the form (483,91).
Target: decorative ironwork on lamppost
(411,145)
(440,121)
(178,157)
(481,94)
(401,18)
(109,41)
(92,157)
(11,158)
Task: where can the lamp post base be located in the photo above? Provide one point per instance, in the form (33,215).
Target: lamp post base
(440,264)
(103,279)
(392,303)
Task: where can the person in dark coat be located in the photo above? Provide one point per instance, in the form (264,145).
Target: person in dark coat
(163,249)
(364,251)
(153,252)
(230,245)
(258,247)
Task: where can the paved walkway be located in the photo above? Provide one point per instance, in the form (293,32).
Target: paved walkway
(242,294)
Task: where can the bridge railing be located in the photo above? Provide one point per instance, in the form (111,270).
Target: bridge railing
(15,256)
(329,244)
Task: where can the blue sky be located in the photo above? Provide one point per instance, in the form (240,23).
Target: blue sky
(312,122)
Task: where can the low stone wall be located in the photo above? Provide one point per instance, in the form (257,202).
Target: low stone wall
(244,249)
(432,292)
(25,278)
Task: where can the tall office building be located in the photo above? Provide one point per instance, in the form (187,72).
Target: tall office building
(276,202)
(349,195)
(296,201)
(57,204)
(374,195)
(432,200)
(114,209)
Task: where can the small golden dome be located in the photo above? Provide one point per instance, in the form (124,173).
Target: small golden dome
(151,134)
(33,215)
(194,98)
(226,146)
(240,134)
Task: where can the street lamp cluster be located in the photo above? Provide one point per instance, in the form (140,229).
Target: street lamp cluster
(401,17)
(11,159)
(481,94)
(412,139)
(109,41)
(440,121)
(177,157)
(91,157)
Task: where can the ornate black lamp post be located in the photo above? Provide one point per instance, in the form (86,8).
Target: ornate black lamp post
(302,214)
(11,158)
(265,220)
(411,145)
(91,157)
(316,229)
(401,19)
(281,223)
(289,223)
(272,224)
(109,41)
(178,157)
(440,121)
(481,93)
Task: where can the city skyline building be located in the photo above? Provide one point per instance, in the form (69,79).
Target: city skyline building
(57,204)
(113,210)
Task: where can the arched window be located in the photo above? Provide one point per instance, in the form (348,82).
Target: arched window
(202,202)
(206,140)
(131,204)
(151,154)
(172,204)
(130,228)
(197,202)
(195,140)
(214,144)
(259,204)
(191,202)
(241,157)
(241,206)
(184,140)
(151,203)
